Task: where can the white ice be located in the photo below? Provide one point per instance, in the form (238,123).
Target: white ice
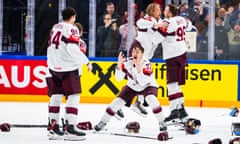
(216,123)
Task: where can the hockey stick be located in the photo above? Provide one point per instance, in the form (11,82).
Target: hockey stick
(137,136)
(29,125)
(32,125)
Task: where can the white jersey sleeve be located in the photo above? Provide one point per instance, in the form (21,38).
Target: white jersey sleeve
(137,81)
(83,49)
(119,74)
(77,55)
(158,37)
(145,22)
(189,25)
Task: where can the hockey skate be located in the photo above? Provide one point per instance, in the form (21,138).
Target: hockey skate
(177,116)
(139,109)
(100,126)
(183,114)
(119,114)
(162,126)
(174,115)
(54,132)
(71,133)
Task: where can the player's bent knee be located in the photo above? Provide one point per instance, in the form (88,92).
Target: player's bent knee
(152,101)
(117,103)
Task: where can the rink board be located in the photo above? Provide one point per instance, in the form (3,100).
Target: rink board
(209,83)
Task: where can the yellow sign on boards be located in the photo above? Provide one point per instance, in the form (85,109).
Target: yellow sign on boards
(204,81)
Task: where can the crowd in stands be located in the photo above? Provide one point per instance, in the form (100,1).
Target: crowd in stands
(112,27)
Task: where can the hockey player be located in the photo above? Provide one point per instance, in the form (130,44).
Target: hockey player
(146,27)
(140,78)
(64,58)
(174,52)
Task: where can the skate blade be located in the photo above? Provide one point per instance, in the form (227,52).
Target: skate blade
(54,137)
(174,122)
(136,110)
(118,117)
(74,138)
(184,119)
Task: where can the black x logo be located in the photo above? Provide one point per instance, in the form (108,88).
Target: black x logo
(104,78)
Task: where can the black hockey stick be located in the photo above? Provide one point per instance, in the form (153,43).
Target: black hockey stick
(137,136)
(29,125)
(32,125)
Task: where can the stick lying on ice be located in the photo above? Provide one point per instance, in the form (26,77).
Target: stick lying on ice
(29,125)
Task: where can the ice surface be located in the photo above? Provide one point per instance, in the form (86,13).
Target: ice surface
(216,123)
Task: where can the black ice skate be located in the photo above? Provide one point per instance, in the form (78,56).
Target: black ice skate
(173,116)
(182,114)
(72,133)
(162,126)
(99,126)
(54,130)
(139,109)
(119,114)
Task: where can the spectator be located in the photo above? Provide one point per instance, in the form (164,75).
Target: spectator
(221,41)
(183,7)
(121,8)
(221,12)
(235,14)
(160,2)
(228,14)
(176,2)
(123,29)
(197,11)
(110,9)
(6,41)
(234,41)
(136,15)
(107,38)
(193,13)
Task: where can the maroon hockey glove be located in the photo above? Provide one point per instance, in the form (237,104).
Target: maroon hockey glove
(163,136)
(85,125)
(5,127)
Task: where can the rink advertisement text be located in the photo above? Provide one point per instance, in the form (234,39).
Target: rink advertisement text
(204,81)
(23,77)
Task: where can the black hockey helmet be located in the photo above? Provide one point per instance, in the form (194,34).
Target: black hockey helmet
(192,126)
(236,129)
(215,141)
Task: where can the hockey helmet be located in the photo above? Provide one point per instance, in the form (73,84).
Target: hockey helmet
(192,126)
(133,127)
(234,112)
(236,129)
(215,141)
(235,141)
